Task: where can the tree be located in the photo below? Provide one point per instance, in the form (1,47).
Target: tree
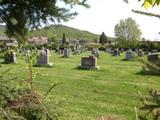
(103,38)
(19,15)
(127,29)
(64,41)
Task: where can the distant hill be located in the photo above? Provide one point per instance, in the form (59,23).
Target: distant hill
(58,30)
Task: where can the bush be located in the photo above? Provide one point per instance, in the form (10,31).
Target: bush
(151,105)
(18,100)
(92,45)
(150,68)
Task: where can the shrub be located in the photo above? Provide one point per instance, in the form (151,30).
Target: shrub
(151,106)
(92,45)
(150,68)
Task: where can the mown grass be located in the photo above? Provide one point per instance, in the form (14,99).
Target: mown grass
(88,94)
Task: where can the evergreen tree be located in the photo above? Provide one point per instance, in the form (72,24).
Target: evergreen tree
(64,41)
(103,38)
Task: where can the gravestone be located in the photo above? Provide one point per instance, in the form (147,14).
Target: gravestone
(116,52)
(95,52)
(130,55)
(147,52)
(26,52)
(89,62)
(10,57)
(57,50)
(154,51)
(60,51)
(108,50)
(121,50)
(43,58)
(140,53)
(153,57)
(66,53)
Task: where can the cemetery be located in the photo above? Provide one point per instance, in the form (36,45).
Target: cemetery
(57,66)
(88,94)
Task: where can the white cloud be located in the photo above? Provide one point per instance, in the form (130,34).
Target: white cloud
(105,14)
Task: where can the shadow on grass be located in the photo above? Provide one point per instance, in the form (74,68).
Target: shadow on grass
(86,69)
(7,62)
(43,66)
(124,59)
(148,73)
(65,57)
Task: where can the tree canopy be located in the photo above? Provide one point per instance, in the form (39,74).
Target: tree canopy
(19,15)
(127,29)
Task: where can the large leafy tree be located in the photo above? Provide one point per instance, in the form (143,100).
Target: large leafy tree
(128,30)
(19,15)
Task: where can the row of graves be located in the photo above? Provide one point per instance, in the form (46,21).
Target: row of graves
(78,47)
(67,52)
(130,54)
(153,56)
(87,62)
(43,59)
(90,62)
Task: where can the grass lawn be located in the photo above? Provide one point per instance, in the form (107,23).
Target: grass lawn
(88,94)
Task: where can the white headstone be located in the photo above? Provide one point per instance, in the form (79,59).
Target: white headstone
(43,58)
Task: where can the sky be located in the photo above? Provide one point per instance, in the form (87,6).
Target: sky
(103,15)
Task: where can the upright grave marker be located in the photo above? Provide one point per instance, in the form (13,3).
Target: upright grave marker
(43,58)
(89,62)
(130,55)
(10,57)
(154,57)
(67,53)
